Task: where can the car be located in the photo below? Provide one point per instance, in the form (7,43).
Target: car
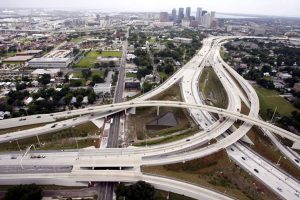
(279,189)
(38,117)
(64,125)
(51,115)
(90,109)
(231,149)
(188,140)
(297,194)
(256,170)
(53,126)
(297,161)
(244,158)
(13,157)
(68,112)
(22,119)
(33,156)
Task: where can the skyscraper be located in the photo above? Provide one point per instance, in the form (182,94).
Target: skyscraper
(206,20)
(213,21)
(212,15)
(174,14)
(199,14)
(164,17)
(188,12)
(181,13)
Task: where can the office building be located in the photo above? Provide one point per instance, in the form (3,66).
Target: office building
(164,17)
(188,12)
(181,13)
(206,20)
(174,14)
(198,14)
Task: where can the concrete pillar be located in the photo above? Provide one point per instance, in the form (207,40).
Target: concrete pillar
(157,111)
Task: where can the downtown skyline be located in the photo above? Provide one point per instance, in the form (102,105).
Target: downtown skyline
(287,8)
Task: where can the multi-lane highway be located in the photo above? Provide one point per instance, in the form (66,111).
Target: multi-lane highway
(128,161)
(106,189)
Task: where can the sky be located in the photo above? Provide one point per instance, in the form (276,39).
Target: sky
(265,7)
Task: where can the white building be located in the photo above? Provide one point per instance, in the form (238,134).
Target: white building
(130,56)
(108,59)
(102,88)
(49,62)
(28,100)
(182,40)
(284,76)
(39,72)
(186,23)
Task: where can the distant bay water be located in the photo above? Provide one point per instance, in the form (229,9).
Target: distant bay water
(233,16)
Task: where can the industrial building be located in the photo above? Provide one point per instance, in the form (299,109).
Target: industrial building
(54,59)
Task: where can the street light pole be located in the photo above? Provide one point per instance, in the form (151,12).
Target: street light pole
(38,140)
(278,161)
(273,114)
(18,145)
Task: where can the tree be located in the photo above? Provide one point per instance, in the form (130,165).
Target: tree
(86,73)
(111,64)
(266,68)
(76,51)
(79,98)
(66,78)
(60,74)
(24,192)
(97,79)
(20,86)
(68,98)
(92,97)
(44,79)
(97,65)
(147,87)
(137,191)
(169,69)
(297,103)
(75,83)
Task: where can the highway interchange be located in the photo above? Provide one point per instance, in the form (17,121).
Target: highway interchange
(78,167)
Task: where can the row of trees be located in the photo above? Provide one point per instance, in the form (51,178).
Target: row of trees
(45,100)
